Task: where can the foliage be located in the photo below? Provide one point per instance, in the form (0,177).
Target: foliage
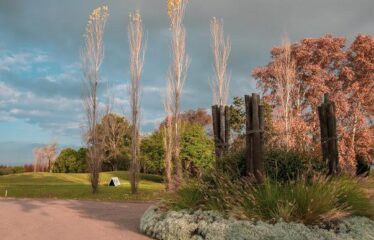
(189,196)
(28,168)
(210,225)
(6,170)
(309,201)
(238,121)
(198,116)
(326,65)
(71,161)
(196,149)
(77,186)
(290,165)
(152,154)
(237,115)
(362,166)
(280,165)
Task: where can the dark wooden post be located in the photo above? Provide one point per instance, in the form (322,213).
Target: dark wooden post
(329,141)
(221,129)
(254,137)
(248,138)
(227,129)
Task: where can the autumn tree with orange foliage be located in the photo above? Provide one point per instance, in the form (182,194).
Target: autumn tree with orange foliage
(326,65)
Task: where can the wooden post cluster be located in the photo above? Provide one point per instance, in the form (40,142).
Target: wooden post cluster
(221,129)
(254,137)
(329,141)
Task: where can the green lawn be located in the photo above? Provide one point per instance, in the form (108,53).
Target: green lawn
(77,186)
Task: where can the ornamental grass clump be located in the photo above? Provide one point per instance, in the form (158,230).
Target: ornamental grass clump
(309,201)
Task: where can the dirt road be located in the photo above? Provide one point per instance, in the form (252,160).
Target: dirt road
(69,219)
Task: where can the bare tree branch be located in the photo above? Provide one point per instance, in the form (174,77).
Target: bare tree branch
(137,52)
(221,51)
(176,78)
(92,56)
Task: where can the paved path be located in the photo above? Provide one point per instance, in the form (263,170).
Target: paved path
(31,219)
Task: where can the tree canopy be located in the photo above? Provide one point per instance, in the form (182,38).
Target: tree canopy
(326,65)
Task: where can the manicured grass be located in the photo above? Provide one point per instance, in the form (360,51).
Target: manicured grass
(77,186)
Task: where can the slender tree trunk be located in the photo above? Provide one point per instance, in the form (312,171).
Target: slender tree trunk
(176,78)
(135,30)
(92,56)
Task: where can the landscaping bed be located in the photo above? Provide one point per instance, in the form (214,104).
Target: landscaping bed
(164,224)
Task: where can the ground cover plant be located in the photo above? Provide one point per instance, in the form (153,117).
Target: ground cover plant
(211,225)
(77,186)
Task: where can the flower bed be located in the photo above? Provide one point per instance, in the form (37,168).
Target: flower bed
(210,225)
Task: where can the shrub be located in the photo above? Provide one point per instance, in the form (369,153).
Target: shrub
(28,168)
(189,196)
(70,161)
(18,169)
(211,225)
(5,170)
(362,166)
(308,201)
(280,165)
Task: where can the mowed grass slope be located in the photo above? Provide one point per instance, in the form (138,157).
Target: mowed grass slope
(77,186)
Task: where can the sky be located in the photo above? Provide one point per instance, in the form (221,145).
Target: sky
(40,42)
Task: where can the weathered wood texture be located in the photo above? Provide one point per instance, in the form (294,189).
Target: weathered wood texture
(329,141)
(221,129)
(254,137)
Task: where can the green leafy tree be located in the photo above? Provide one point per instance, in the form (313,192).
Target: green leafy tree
(237,115)
(82,160)
(196,149)
(71,161)
(152,154)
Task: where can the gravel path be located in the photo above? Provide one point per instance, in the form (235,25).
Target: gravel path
(34,219)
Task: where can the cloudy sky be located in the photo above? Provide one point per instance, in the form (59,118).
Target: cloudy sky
(40,40)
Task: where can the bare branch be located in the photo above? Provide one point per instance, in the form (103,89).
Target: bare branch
(92,56)
(221,51)
(137,52)
(176,78)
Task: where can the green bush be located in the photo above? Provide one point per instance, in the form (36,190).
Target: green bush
(152,154)
(196,151)
(280,165)
(5,170)
(70,161)
(18,169)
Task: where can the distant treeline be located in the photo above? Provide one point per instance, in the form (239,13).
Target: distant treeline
(5,170)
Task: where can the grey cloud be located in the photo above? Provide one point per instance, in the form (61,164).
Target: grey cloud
(255,26)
